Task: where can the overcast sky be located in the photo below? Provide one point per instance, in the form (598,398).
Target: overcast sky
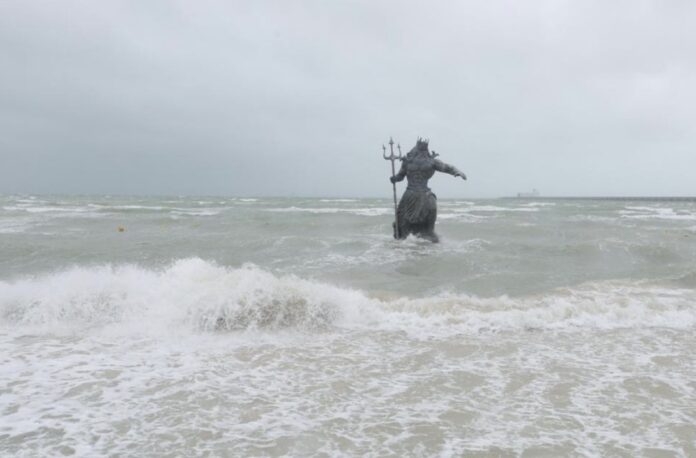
(297,97)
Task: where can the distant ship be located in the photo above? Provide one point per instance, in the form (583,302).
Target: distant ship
(534,193)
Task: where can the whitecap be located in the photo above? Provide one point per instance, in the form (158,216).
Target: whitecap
(202,212)
(647,213)
(48,209)
(194,295)
(539,204)
(461,216)
(494,208)
(369,211)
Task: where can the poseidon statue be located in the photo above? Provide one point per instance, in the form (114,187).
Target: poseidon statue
(417,209)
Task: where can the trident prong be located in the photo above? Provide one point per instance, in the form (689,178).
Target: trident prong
(391,157)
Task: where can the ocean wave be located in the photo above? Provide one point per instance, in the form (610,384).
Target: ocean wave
(593,218)
(647,213)
(51,213)
(13,227)
(687,280)
(129,207)
(197,295)
(375,211)
(197,212)
(495,208)
(641,208)
(462,216)
(30,209)
(152,208)
(99,210)
(539,204)
(450,203)
(190,293)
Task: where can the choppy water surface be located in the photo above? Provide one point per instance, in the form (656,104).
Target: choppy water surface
(251,327)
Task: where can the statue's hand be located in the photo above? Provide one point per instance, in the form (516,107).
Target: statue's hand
(392,179)
(463,177)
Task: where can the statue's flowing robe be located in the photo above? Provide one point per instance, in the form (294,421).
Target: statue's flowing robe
(416,207)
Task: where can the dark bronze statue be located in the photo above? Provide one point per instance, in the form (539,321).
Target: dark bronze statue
(417,209)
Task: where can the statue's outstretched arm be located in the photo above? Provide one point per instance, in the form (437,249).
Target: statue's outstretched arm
(446,168)
(401,175)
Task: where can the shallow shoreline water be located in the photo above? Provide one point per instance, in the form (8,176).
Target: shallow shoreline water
(247,327)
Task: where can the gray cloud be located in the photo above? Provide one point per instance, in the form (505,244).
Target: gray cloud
(276,98)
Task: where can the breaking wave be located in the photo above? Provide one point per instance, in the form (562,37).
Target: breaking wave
(370,211)
(197,295)
(665,213)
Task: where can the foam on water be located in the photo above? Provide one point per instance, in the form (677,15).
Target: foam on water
(31,209)
(460,215)
(647,213)
(14,226)
(539,204)
(194,295)
(495,208)
(586,371)
(340,341)
(376,211)
(197,212)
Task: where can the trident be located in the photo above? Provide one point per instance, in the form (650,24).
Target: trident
(392,157)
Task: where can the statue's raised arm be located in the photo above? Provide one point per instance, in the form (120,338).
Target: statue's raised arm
(417,209)
(450,169)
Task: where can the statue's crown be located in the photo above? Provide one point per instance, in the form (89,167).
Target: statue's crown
(422,141)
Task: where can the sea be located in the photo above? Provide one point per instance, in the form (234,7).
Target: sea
(229,326)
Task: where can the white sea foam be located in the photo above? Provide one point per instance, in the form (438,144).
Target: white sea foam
(30,201)
(462,216)
(197,212)
(462,202)
(9,226)
(30,209)
(647,213)
(495,208)
(593,218)
(195,358)
(136,207)
(195,295)
(177,211)
(207,359)
(46,213)
(369,211)
(642,208)
(539,204)
(191,292)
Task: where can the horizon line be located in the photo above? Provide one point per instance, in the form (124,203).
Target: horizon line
(259,196)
